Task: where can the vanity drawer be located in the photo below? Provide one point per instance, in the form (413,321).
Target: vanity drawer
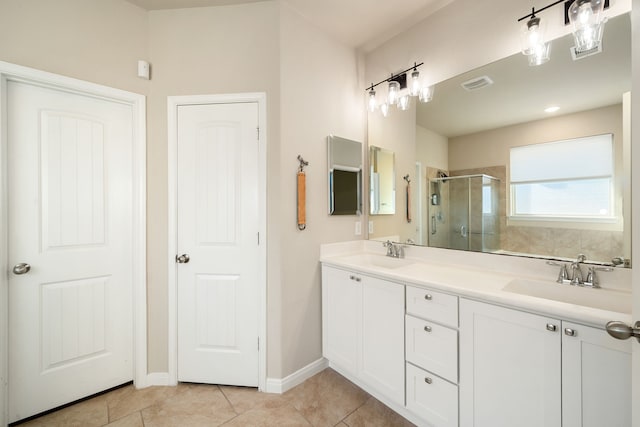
(432,347)
(432,305)
(431,398)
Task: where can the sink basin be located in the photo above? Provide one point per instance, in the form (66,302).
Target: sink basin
(380,261)
(604,299)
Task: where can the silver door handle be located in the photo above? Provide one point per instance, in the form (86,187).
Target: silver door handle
(21,268)
(182,259)
(622,331)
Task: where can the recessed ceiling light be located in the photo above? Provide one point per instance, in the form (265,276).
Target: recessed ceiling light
(552,109)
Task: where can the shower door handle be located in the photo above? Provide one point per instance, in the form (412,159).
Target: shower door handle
(433,224)
(463,231)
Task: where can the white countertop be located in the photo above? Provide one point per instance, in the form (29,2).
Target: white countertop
(588,306)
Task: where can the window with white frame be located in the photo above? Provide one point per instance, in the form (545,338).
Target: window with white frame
(563,180)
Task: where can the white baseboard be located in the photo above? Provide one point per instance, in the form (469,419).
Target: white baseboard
(277,385)
(158,378)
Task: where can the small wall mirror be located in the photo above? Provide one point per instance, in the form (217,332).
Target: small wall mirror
(382,185)
(345,176)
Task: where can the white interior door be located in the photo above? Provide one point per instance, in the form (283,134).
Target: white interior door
(218,225)
(70,219)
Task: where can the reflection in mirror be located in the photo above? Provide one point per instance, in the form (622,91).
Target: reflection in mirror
(345,176)
(471,134)
(382,181)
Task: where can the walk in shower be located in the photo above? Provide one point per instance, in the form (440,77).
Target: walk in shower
(464,213)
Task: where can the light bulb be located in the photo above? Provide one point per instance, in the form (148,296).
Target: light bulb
(384,109)
(414,88)
(394,89)
(373,104)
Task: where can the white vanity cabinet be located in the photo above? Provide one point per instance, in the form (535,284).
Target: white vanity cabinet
(596,378)
(510,365)
(363,329)
(523,369)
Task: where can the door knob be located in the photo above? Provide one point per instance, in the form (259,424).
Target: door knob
(21,268)
(182,259)
(622,331)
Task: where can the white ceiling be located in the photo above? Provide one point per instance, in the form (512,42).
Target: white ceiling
(362,24)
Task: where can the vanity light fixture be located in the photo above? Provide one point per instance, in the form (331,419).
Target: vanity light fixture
(400,91)
(584,15)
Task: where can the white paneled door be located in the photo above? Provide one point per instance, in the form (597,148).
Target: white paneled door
(70,240)
(218,243)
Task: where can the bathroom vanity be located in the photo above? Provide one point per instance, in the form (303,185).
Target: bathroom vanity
(447,344)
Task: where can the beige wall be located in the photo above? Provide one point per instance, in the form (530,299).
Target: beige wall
(320,95)
(76,38)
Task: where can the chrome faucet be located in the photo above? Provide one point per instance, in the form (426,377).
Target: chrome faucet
(393,250)
(576,277)
(576,271)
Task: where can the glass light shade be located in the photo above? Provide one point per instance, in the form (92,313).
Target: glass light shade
(384,109)
(540,55)
(394,90)
(373,104)
(426,93)
(404,102)
(532,35)
(584,16)
(414,85)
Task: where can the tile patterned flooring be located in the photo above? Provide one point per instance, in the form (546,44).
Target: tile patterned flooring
(325,400)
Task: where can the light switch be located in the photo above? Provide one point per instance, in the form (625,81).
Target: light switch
(358,228)
(370,227)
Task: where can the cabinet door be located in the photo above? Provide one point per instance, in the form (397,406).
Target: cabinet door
(340,305)
(509,367)
(596,378)
(382,337)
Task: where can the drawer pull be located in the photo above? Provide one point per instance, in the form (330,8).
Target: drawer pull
(428,297)
(427,328)
(551,327)
(356,278)
(428,380)
(570,332)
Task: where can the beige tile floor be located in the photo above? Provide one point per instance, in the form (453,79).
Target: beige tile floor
(325,400)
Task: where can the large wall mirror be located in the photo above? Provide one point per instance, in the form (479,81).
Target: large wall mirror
(345,176)
(459,151)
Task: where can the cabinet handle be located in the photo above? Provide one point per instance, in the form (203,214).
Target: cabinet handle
(427,328)
(570,332)
(428,297)
(428,380)
(551,327)
(356,278)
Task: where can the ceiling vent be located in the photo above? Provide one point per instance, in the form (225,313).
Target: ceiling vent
(477,83)
(576,54)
